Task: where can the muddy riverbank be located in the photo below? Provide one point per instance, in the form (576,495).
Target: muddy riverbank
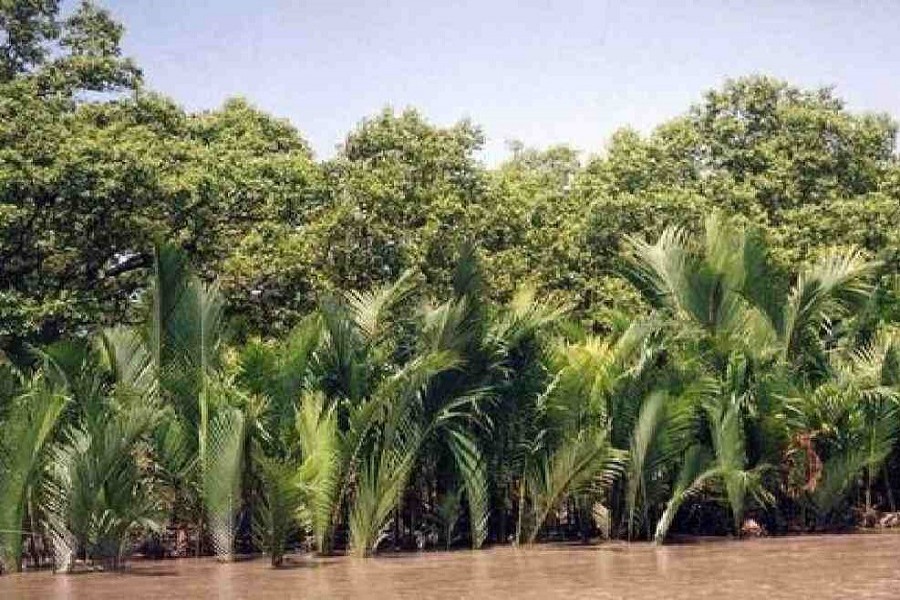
(818,567)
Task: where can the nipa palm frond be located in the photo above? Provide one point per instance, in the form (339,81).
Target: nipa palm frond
(276,514)
(320,471)
(581,459)
(24,435)
(221,476)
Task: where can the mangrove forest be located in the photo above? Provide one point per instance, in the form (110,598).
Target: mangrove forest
(213,343)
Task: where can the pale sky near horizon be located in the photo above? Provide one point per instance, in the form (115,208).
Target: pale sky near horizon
(541,72)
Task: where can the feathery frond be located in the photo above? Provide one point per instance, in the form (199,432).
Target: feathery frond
(24,436)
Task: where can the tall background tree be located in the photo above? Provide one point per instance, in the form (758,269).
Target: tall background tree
(94,168)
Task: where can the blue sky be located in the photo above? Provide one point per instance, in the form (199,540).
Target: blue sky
(542,72)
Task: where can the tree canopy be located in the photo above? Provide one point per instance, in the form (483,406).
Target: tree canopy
(95,168)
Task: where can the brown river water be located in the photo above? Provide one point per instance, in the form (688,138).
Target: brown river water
(816,567)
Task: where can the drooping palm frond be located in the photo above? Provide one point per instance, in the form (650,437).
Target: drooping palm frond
(66,363)
(854,423)
(722,282)
(185,331)
(662,270)
(725,467)
(371,310)
(24,435)
(696,471)
(658,442)
(130,363)
(648,429)
(762,284)
(346,357)
(381,480)
(730,458)
(581,459)
(382,474)
(728,447)
(398,430)
(472,469)
(588,375)
(870,365)
(448,327)
(870,429)
(280,372)
(72,366)
(204,441)
(525,315)
(822,293)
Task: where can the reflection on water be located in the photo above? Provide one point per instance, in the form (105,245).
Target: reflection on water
(850,566)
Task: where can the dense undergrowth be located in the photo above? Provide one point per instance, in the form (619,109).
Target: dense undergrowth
(390,419)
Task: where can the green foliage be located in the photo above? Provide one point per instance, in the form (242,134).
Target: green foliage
(473,472)
(221,462)
(371,407)
(242,192)
(348,344)
(276,511)
(397,434)
(692,476)
(26,429)
(579,461)
(447,514)
(748,335)
(320,471)
(96,493)
(657,444)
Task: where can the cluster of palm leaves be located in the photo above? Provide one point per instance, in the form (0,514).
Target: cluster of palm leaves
(386,418)
(774,378)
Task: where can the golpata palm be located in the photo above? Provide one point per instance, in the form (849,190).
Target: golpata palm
(578,446)
(844,428)
(349,410)
(124,415)
(97,487)
(204,441)
(328,388)
(392,393)
(484,409)
(26,433)
(738,323)
(423,404)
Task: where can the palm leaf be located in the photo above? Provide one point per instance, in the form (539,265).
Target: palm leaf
(24,436)
(320,470)
(388,457)
(221,476)
(694,474)
(581,459)
(370,310)
(276,513)
(822,292)
(471,466)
